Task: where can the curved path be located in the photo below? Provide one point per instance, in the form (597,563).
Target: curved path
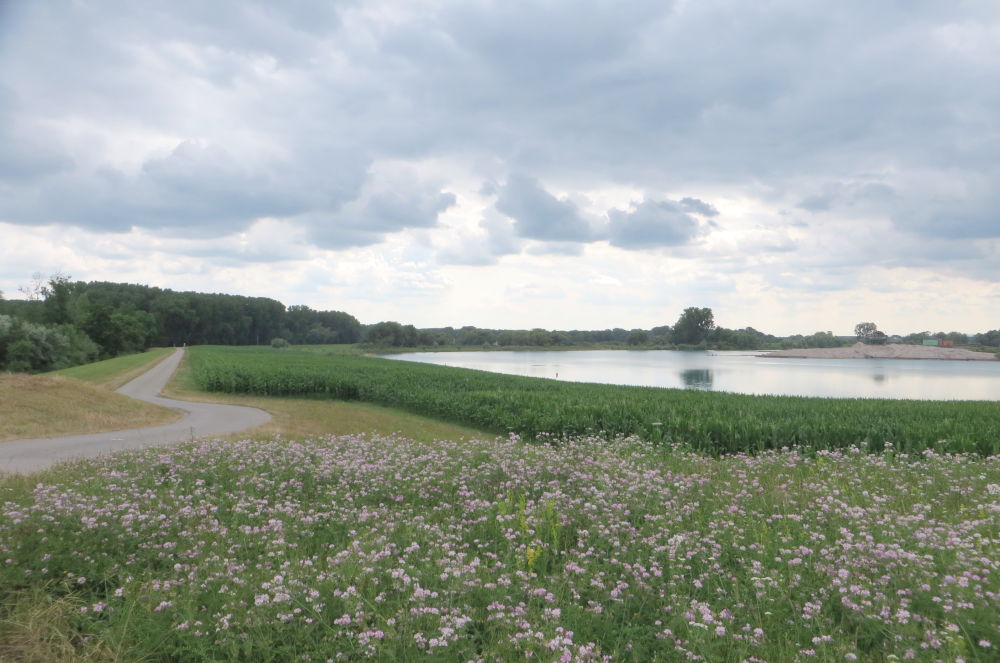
(199,420)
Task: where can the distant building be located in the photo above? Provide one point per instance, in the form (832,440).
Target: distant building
(931,341)
(946,343)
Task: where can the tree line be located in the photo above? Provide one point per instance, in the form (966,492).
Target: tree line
(63,323)
(694,328)
(868,332)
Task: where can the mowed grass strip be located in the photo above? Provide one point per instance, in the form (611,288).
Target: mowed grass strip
(533,407)
(113,373)
(35,406)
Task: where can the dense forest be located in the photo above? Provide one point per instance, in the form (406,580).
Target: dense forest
(63,323)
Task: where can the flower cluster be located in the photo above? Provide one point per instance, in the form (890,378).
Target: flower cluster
(356,547)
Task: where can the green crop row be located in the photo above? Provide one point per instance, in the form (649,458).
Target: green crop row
(533,407)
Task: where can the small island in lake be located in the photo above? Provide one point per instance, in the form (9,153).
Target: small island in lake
(890,351)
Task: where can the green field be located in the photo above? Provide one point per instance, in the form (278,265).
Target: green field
(533,408)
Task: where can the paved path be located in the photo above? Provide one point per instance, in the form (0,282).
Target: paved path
(199,420)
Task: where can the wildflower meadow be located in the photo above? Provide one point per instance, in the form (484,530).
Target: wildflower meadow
(383,548)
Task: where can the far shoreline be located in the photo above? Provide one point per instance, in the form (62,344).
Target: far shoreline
(890,351)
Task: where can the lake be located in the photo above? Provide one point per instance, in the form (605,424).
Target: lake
(742,372)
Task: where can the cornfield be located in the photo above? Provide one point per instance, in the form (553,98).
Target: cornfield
(538,408)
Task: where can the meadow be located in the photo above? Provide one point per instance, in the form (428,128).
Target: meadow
(531,407)
(384,548)
(442,544)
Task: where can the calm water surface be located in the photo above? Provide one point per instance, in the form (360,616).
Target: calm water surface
(743,372)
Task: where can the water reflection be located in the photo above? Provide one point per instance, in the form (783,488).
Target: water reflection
(697,378)
(742,373)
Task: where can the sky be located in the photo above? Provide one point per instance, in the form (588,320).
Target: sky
(797,166)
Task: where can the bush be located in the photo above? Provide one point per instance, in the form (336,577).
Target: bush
(279,343)
(31,348)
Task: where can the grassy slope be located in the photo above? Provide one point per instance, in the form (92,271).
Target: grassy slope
(34,406)
(113,373)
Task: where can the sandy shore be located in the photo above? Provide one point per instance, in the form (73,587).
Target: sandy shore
(892,351)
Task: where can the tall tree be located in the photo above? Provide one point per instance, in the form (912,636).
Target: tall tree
(694,325)
(865,331)
(58,297)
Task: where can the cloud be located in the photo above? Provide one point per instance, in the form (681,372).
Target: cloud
(25,155)
(538,214)
(695,206)
(394,198)
(860,196)
(197,189)
(556,248)
(623,93)
(392,210)
(816,203)
(972,213)
(495,238)
(369,124)
(652,224)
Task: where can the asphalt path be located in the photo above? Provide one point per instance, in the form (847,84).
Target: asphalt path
(199,420)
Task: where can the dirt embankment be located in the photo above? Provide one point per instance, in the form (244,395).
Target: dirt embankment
(891,351)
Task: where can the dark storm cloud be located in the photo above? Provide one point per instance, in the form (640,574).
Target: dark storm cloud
(651,224)
(538,214)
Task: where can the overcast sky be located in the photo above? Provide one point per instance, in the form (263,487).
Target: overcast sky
(568,164)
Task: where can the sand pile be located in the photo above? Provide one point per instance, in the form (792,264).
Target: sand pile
(891,351)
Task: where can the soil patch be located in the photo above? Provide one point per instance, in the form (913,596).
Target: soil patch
(890,351)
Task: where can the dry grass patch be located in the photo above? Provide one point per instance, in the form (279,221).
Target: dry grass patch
(33,406)
(38,629)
